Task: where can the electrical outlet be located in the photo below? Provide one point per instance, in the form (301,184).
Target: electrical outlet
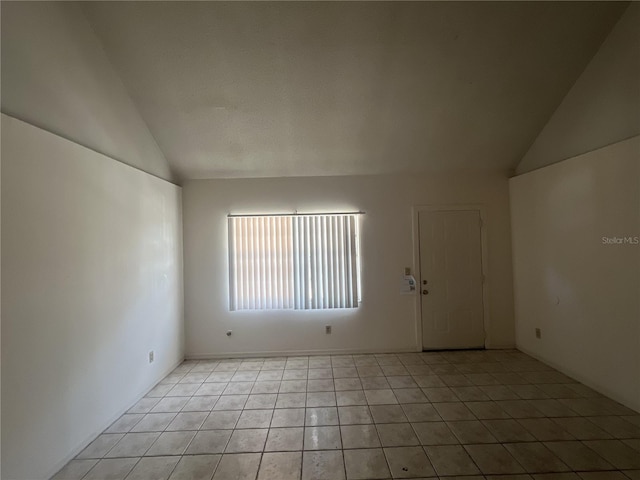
(538,333)
(151,356)
(327,329)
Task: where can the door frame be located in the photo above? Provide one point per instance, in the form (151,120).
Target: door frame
(484,256)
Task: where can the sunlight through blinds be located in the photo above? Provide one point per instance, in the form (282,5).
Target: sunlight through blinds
(300,262)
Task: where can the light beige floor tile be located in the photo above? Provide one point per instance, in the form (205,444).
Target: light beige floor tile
(187,421)
(374,383)
(408,462)
(156,468)
(322,438)
(536,458)
(238,388)
(125,423)
(434,433)
(359,436)
(160,391)
(410,395)
(288,417)
(421,412)
(291,400)
(440,394)
(238,466)
(369,371)
(388,414)
(380,397)
(397,435)
(578,456)
(403,381)
(195,467)
(183,389)
(603,476)
(394,370)
(617,426)
(75,469)
(320,373)
(633,443)
(171,443)
(133,445)
(271,386)
(261,401)
(451,460)
(255,419)
(429,381)
(111,469)
(327,465)
(519,409)
(552,408)
(616,452)
(469,394)
(100,446)
(284,439)
(321,416)
(144,405)
(320,385)
(493,459)
(293,386)
(354,415)
(367,464)
(245,376)
(508,431)
(345,372)
(321,399)
(295,374)
(471,431)
(219,377)
(350,398)
(209,441)
(170,405)
(211,389)
(221,420)
(545,429)
(154,422)
(452,411)
(270,375)
(582,428)
(280,466)
(249,440)
(200,404)
(231,402)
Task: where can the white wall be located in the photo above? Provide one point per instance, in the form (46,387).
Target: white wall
(386,319)
(56,75)
(92,280)
(583,294)
(602,107)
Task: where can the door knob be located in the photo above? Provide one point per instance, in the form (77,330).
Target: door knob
(425,292)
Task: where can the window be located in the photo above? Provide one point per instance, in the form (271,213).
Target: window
(302,262)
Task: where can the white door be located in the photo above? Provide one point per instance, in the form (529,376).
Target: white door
(451,279)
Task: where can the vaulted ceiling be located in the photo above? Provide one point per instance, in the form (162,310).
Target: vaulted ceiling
(235,89)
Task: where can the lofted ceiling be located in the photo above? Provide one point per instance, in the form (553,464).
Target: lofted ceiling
(254,89)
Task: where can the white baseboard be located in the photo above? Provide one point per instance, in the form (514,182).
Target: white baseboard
(290,353)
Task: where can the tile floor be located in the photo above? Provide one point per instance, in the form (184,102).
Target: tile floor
(468,414)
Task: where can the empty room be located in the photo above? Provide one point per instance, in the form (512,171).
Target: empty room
(320,240)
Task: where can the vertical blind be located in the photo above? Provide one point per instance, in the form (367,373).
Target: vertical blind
(298,262)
